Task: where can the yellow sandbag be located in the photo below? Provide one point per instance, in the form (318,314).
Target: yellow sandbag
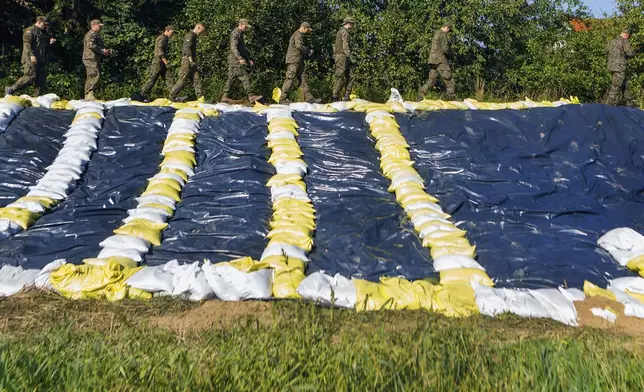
(369,297)
(396,107)
(297,231)
(86,115)
(286,282)
(188,116)
(285,213)
(637,296)
(293,221)
(23,218)
(282,121)
(395,153)
(595,291)
(283,179)
(179,173)
(285,263)
(46,202)
(390,141)
(402,292)
(440,251)
(442,235)
(441,226)
(455,299)
(95,282)
(157,206)
(302,242)
(59,105)
(293,205)
(149,231)
(636,264)
(124,261)
(459,242)
(288,155)
(283,128)
(165,181)
(180,137)
(412,198)
(182,156)
(163,190)
(424,292)
(16,100)
(282,142)
(465,275)
(427,211)
(245,264)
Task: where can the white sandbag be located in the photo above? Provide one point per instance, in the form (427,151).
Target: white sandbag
(289,191)
(280,135)
(189,281)
(84,127)
(8,228)
(89,122)
(291,167)
(155,217)
(273,113)
(42,280)
(340,106)
(624,244)
(47,100)
(395,96)
(81,140)
(422,205)
(284,250)
(399,179)
(179,166)
(126,242)
(60,187)
(64,166)
(70,160)
(82,154)
(420,220)
(605,314)
(62,173)
(131,254)
(450,262)
(573,295)
(175,147)
(429,230)
(230,284)
(632,306)
(88,110)
(329,290)
(302,107)
(522,303)
(37,192)
(410,106)
(490,301)
(10,109)
(117,102)
(171,176)
(142,211)
(80,104)
(152,280)
(14,279)
(156,199)
(632,284)
(29,205)
(184,124)
(558,306)
(377,114)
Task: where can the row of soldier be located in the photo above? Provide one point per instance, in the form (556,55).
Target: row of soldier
(36,39)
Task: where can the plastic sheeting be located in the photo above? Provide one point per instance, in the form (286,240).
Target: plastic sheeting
(362,231)
(28,145)
(536,188)
(128,154)
(225,207)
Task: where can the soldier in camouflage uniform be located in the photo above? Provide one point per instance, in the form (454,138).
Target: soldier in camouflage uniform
(619,50)
(342,78)
(295,67)
(34,45)
(238,62)
(189,72)
(159,66)
(93,54)
(438,64)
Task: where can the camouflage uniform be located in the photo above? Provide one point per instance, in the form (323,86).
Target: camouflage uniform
(438,65)
(295,66)
(158,69)
(34,43)
(618,50)
(92,57)
(343,79)
(188,71)
(237,53)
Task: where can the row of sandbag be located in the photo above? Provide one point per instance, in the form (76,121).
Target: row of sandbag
(61,176)
(10,106)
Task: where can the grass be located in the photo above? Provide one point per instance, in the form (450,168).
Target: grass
(48,343)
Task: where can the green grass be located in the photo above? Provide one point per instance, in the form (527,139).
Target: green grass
(50,344)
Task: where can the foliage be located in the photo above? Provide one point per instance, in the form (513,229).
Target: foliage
(512,48)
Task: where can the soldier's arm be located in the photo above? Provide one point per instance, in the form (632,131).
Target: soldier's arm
(444,46)
(234,46)
(26,39)
(628,50)
(161,48)
(299,45)
(186,48)
(345,44)
(94,46)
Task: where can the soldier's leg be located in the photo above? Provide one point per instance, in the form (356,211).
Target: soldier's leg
(41,79)
(350,80)
(448,79)
(431,81)
(339,77)
(167,77)
(244,78)
(196,81)
(304,83)
(93,72)
(27,78)
(155,70)
(291,74)
(629,99)
(184,74)
(615,93)
(230,80)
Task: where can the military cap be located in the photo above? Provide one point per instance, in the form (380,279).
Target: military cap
(448,24)
(42,19)
(349,19)
(626,31)
(306,25)
(169,28)
(244,22)
(96,22)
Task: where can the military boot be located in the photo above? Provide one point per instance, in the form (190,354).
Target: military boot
(226,99)
(8,91)
(90,96)
(254,98)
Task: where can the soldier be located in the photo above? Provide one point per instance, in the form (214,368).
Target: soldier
(238,62)
(295,67)
(438,63)
(159,66)
(619,50)
(34,44)
(189,72)
(343,80)
(93,53)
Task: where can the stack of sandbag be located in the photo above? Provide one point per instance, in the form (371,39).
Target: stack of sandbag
(61,176)
(10,106)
